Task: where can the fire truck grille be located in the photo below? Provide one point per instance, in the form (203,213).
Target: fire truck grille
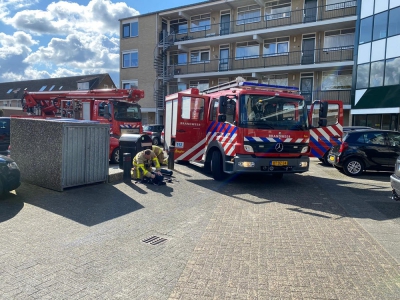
(271,147)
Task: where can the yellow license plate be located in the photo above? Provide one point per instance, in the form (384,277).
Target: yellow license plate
(279,163)
(331,158)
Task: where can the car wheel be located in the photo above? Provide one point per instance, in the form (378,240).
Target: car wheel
(353,167)
(1,188)
(325,159)
(216,166)
(156,141)
(115,156)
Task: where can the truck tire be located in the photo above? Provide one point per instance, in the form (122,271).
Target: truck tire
(115,156)
(1,188)
(216,166)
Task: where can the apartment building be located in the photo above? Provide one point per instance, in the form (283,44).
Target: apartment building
(377,68)
(307,44)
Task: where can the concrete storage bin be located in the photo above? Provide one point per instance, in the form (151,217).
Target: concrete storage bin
(57,154)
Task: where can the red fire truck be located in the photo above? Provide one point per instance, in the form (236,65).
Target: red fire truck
(243,127)
(117,107)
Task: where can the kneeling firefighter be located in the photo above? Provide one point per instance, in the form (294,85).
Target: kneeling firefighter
(159,152)
(142,166)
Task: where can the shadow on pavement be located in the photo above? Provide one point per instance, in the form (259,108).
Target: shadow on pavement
(300,191)
(10,206)
(88,205)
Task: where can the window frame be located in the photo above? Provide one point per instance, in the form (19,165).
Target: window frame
(341,33)
(249,8)
(339,4)
(277,43)
(202,17)
(256,44)
(200,52)
(130,83)
(130,29)
(337,75)
(271,5)
(130,52)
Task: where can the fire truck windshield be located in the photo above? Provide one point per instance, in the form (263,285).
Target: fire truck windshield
(272,112)
(127,112)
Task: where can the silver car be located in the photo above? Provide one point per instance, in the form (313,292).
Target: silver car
(154,131)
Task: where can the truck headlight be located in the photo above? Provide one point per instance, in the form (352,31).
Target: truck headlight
(248,148)
(304,149)
(246,164)
(12,165)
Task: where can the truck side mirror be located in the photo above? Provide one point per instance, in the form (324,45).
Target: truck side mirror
(323,114)
(222,118)
(223,104)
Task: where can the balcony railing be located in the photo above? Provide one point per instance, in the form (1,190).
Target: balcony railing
(253,62)
(299,16)
(342,95)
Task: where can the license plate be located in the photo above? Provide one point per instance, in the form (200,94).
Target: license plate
(331,158)
(279,163)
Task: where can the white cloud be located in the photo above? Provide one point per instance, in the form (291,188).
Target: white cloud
(99,16)
(17,44)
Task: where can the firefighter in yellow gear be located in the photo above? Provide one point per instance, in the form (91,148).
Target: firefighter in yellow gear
(142,165)
(159,152)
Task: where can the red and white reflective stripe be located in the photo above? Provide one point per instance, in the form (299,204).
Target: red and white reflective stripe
(191,150)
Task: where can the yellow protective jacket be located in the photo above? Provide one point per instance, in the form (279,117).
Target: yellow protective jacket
(159,152)
(142,166)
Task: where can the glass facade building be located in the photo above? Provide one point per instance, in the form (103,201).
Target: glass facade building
(376,83)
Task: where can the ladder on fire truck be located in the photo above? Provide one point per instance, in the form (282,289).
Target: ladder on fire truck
(241,83)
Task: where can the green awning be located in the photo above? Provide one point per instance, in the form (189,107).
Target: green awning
(380,97)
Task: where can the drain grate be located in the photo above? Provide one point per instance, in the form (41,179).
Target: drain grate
(154,240)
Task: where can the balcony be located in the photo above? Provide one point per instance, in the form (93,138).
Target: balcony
(342,95)
(309,57)
(299,16)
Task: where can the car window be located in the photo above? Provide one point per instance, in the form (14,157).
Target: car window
(4,124)
(393,138)
(373,138)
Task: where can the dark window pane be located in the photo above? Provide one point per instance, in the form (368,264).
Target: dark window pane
(362,76)
(380,26)
(126,30)
(376,78)
(365,30)
(394,21)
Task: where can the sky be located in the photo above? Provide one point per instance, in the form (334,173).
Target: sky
(49,39)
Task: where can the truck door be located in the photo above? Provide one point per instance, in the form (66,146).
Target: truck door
(326,126)
(191,127)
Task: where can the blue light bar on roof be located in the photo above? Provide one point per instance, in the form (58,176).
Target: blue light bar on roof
(271,86)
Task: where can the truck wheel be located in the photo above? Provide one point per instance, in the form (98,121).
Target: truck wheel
(115,156)
(156,141)
(353,167)
(1,188)
(325,160)
(216,166)
(207,167)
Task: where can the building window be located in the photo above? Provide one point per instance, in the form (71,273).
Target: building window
(394,22)
(200,84)
(223,80)
(392,71)
(130,29)
(199,56)
(365,30)
(179,26)
(281,79)
(248,14)
(83,85)
(362,76)
(339,38)
(200,23)
(336,80)
(380,26)
(177,59)
(247,50)
(130,59)
(52,87)
(9,91)
(43,88)
(181,86)
(130,84)
(339,4)
(278,46)
(277,9)
(376,77)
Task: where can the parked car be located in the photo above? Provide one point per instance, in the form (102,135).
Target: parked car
(154,131)
(369,149)
(395,181)
(4,135)
(351,128)
(9,175)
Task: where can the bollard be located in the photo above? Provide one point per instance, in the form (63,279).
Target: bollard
(171,157)
(127,166)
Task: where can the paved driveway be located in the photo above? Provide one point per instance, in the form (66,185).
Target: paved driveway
(320,235)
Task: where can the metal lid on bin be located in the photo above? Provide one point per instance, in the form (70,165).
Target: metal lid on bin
(130,137)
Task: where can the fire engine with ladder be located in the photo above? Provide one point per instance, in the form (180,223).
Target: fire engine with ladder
(117,107)
(246,127)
